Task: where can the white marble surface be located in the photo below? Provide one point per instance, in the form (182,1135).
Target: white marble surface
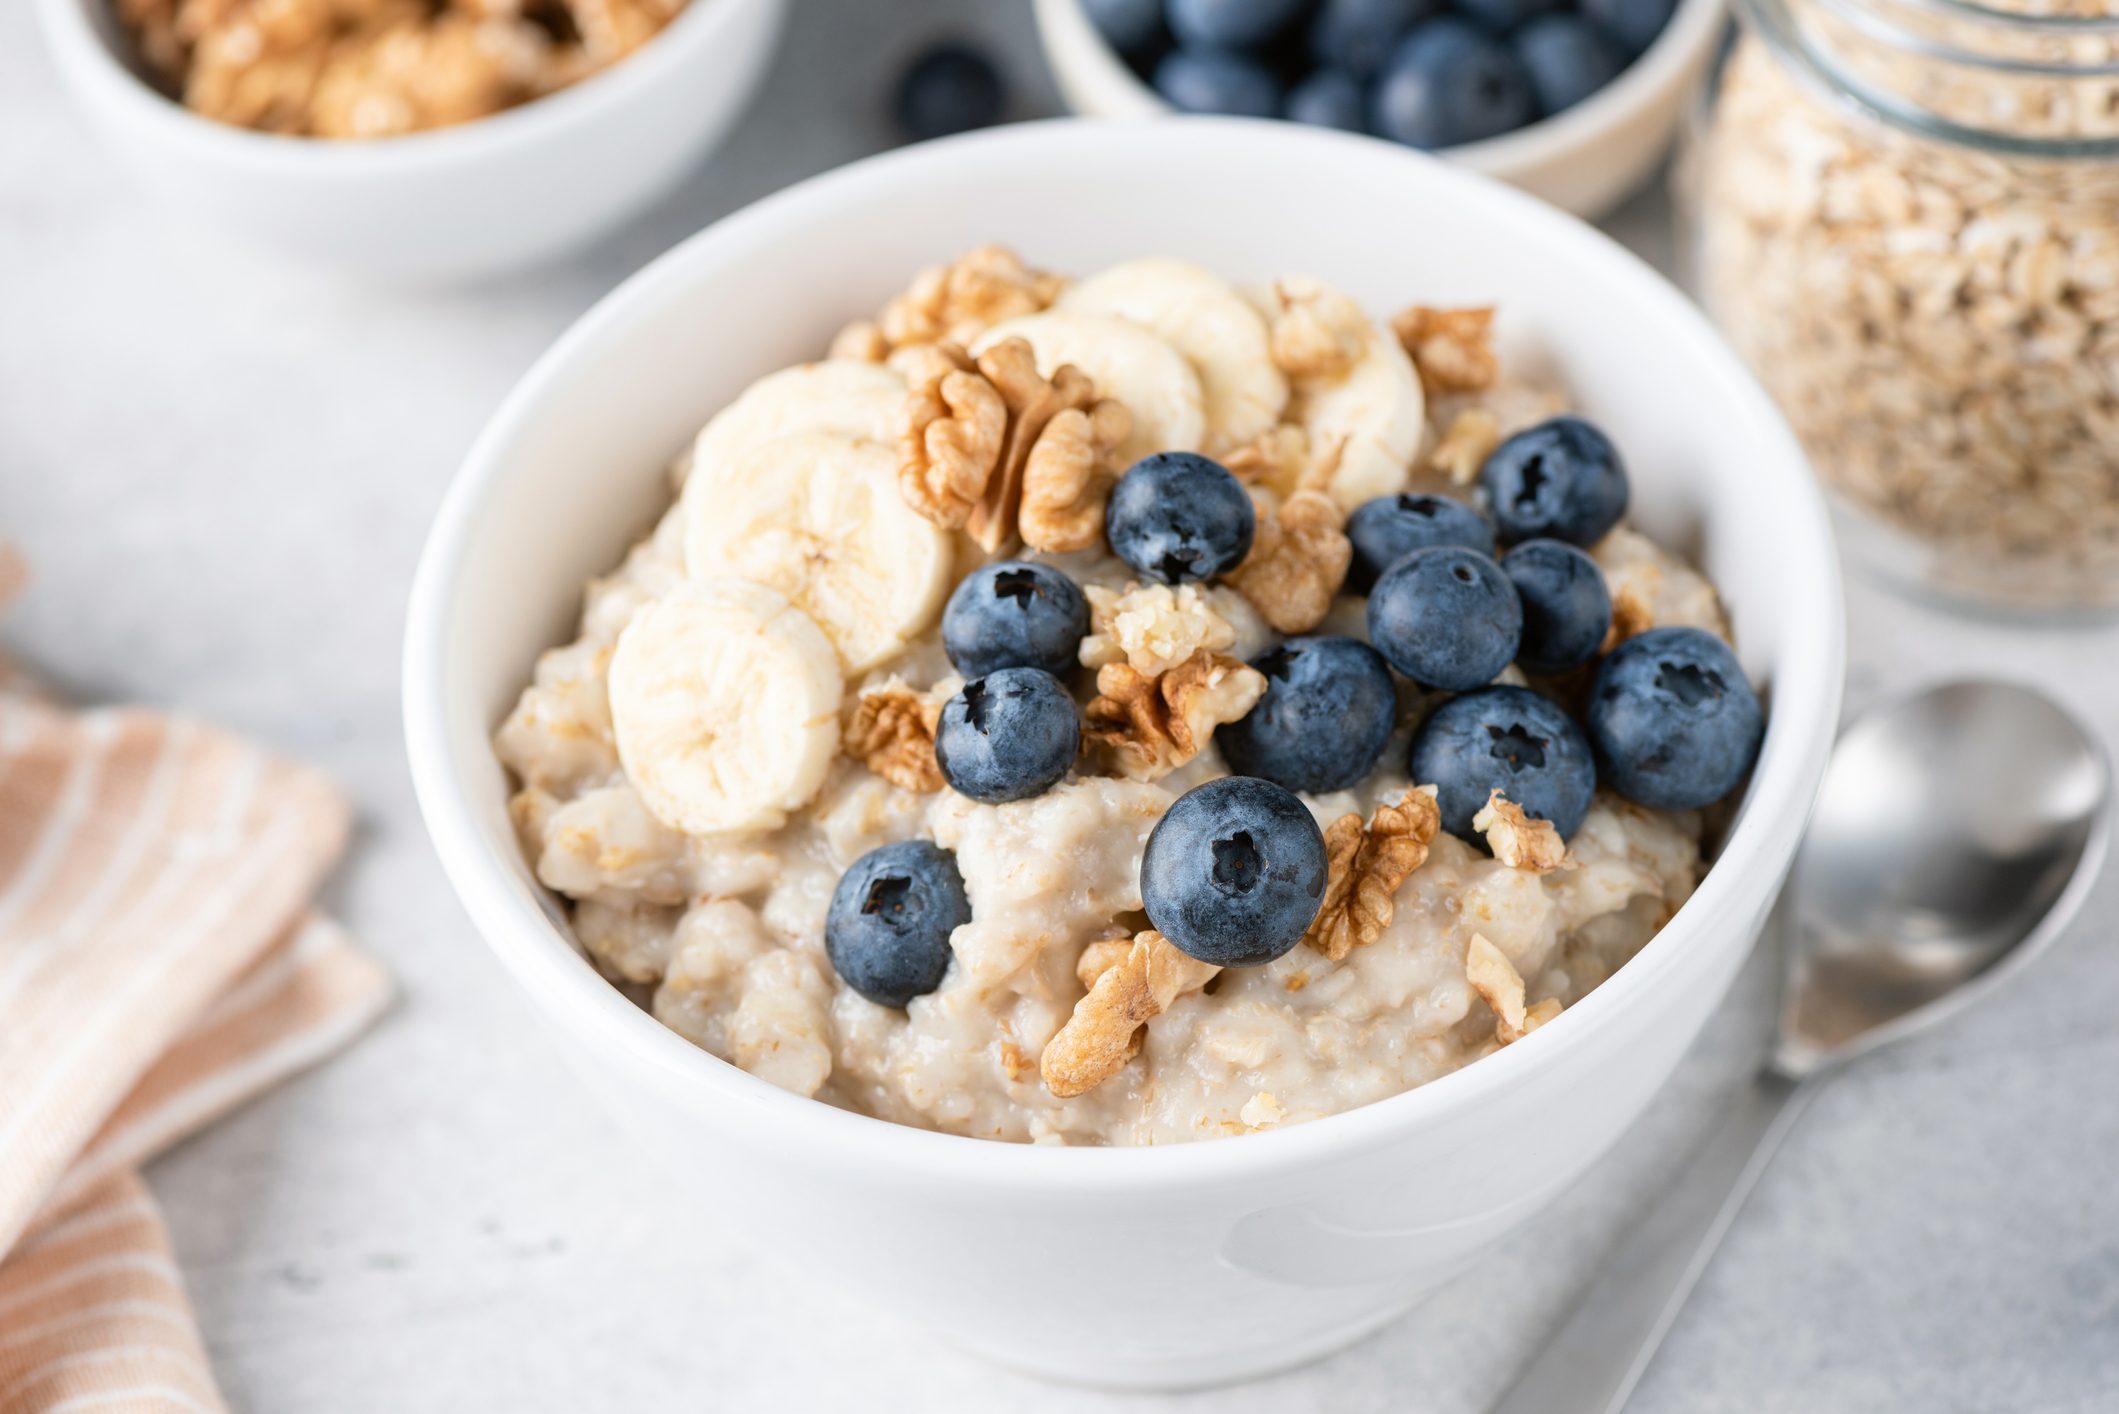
(222,473)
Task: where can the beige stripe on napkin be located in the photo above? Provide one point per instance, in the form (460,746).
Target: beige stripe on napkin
(158,965)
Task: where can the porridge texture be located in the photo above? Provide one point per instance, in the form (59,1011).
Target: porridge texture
(753,703)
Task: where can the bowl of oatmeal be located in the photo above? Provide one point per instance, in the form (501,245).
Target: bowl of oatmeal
(415,142)
(1106,1132)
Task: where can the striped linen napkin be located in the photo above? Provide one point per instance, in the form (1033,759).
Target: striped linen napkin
(159,965)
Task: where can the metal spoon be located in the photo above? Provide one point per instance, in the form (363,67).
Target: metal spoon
(1957,832)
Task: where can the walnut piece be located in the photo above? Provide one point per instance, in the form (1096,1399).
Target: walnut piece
(1365,866)
(1630,617)
(956,303)
(1452,348)
(1132,984)
(1154,627)
(1277,459)
(1297,562)
(1316,332)
(992,447)
(1149,726)
(861,341)
(1472,436)
(1499,985)
(1518,840)
(891,732)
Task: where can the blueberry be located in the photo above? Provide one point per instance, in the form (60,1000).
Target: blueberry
(1326,716)
(1446,617)
(1007,736)
(1132,27)
(887,931)
(949,88)
(1014,614)
(1389,528)
(1501,16)
(1566,605)
(1178,516)
(1448,82)
(1231,24)
(1566,58)
(1632,25)
(1507,739)
(1234,872)
(1328,98)
(1674,719)
(1357,35)
(1562,478)
(1211,81)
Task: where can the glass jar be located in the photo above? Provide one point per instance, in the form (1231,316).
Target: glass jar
(1905,216)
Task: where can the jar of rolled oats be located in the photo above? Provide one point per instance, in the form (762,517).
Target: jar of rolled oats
(1905,215)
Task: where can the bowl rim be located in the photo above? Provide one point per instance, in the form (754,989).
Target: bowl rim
(1803,721)
(92,65)
(1685,37)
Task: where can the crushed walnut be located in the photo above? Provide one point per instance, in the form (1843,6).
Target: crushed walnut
(1452,348)
(991,446)
(1154,627)
(1518,840)
(377,68)
(1463,449)
(891,731)
(1365,865)
(1129,985)
(1148,726)
(952,304)
(1297,562)
(1500,986)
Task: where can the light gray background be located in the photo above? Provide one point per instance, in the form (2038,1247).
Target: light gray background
(222,473)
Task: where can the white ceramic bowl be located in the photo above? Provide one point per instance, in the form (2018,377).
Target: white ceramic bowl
(1198,1262)
(476,199)
(1585,160)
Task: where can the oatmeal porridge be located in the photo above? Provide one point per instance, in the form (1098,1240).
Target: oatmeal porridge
(1100,712)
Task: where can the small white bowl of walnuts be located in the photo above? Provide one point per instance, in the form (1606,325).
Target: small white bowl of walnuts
(406,139)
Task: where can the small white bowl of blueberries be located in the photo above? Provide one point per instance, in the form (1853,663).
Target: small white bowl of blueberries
(1574,101)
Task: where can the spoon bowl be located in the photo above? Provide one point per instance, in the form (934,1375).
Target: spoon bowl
(1958,831)
(1946,850)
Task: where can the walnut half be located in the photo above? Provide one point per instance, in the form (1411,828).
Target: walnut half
(1149,726)
(956,303)
(992,447)
(1365,865)
(1129,985)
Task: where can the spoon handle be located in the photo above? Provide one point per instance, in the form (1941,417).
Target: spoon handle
(1592,1362)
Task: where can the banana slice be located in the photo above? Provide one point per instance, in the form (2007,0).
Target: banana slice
(1373,412)
(818,516)
(1125,361)
(1201,316)
(836,395)
(725,706)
